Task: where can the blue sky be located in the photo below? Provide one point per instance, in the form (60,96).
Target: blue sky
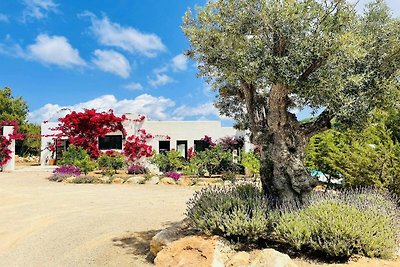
(121,54)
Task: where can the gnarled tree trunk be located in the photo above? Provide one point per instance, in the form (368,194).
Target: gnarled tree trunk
(283,174)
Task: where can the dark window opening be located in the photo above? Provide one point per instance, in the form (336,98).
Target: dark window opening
(163,146)
(181,147)
(200,145)
(110,142)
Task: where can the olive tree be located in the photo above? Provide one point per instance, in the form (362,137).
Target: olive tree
(267,58)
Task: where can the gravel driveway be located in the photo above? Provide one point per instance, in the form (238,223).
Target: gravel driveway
(44,223)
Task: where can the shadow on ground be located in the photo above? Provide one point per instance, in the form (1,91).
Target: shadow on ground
(138,243)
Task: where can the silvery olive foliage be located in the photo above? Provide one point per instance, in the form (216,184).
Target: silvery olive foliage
(327,55)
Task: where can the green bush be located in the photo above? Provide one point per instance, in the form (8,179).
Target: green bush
(251,162)
(214,160)
(78,157)
(169,161)
(239,213)
(109,163)
(342,225)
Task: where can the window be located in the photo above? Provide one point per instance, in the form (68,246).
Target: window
(110,142)
(200,145)
(163,146)
(181,147)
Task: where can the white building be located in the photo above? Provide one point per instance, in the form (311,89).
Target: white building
(183,135)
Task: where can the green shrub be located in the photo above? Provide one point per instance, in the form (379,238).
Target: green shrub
(251,162)
(239,213)
(169,161)
(341,225)
(78,157)
(214,160)
(110,162)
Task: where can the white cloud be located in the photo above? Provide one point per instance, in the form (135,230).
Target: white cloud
(54,50)
(179,63)
(113,62)
(4,18)
(133,86)
(160,80)
(38,9)
(154,107)
(203,110)
(126,38)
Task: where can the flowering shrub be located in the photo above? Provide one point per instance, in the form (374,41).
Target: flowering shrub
(231,142)
(174,175)
(70,170)
(136,147)
(5,152)
(83,129)
(208,140)
(136,169)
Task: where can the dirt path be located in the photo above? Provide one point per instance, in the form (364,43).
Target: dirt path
(53,224)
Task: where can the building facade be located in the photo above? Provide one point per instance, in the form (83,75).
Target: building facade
(167,135)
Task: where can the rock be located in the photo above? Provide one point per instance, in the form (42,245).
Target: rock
(167,180)
(185,181)
(164,238)
(118,181)
(104,180)
(69,180)
(271,258)
(191,251)
(153,180)
(136,180)
(239,259)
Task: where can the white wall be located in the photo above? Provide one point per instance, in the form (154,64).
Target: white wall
(178,130)
(10,166)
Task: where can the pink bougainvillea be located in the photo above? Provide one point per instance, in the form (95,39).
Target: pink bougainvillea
(5,142)
(136,146)
(83,129)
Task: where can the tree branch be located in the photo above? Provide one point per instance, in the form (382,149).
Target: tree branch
(315,65)
(322,123)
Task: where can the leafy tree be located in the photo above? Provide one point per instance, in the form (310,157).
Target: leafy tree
(16,108)
(12,108)
(251,161)
(266,57)
(30,145)
(361,158)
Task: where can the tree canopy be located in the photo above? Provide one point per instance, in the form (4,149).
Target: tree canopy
(326,55)
(12,108)
(268,57)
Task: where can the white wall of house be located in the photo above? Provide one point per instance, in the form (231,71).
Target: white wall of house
(10,166)
(177,131)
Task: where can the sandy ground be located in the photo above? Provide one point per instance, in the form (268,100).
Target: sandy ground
(44,223)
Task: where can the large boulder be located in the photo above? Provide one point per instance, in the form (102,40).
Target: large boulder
(190,251)
(136,180)
(185,181)
(271,258)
